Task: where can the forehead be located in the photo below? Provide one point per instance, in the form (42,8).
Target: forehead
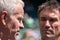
(19,9)
(49,13)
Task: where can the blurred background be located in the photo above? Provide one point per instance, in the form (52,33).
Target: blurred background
(31,30)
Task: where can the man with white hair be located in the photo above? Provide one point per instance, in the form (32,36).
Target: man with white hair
(11,16)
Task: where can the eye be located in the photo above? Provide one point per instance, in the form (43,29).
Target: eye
(19,19)
(43,19)
(53,20)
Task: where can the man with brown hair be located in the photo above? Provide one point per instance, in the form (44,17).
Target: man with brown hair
(49,20)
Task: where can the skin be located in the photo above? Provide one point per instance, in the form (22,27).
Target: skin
(12,24)
(49,24)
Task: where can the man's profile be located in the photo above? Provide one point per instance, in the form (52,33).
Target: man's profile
(11,16)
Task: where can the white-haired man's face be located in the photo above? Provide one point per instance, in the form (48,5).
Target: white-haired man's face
(13,22)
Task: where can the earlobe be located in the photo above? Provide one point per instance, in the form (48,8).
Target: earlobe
(4,13)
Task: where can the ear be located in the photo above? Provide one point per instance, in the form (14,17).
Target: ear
(4,13)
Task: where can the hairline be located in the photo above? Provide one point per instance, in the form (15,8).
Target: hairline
(10,5)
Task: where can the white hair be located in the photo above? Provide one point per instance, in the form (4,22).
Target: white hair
(10,5)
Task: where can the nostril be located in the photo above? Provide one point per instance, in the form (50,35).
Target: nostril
(18,30)
(21,27)
(47,27)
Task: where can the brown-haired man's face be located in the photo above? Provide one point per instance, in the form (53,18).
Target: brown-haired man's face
(49,23)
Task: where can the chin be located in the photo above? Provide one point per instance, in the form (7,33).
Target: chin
(49,37)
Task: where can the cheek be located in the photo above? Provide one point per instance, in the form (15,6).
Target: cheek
(13,28)
(12,25)
(15,22)
(56,26)
(42,24)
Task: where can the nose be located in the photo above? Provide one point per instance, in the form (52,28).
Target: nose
(21,26)
(47,24)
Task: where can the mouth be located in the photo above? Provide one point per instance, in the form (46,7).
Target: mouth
(49,32)
(17,33)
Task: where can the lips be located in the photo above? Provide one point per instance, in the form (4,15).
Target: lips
(49,32)
(17,33)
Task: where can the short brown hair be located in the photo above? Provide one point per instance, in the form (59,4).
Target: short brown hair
(52,4)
